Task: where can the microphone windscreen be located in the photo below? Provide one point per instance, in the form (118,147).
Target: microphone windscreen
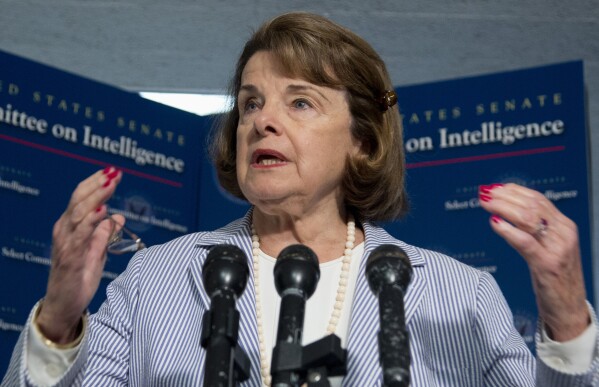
(296,270)
(388,265)
(225,268)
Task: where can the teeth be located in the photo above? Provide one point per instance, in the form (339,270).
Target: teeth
(269,161)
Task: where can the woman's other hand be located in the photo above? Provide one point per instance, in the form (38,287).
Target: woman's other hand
(548,241)
(79,241)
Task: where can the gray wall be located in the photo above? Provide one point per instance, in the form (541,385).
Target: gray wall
(191,46)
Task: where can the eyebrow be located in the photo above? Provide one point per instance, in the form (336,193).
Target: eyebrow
(297,88)
(249,88)
(293,88)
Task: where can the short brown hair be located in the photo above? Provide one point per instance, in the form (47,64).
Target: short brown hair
(321,52)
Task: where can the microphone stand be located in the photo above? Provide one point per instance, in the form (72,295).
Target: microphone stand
(226,363)
(311,364)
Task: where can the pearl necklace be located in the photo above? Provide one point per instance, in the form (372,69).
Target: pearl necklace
(340,297)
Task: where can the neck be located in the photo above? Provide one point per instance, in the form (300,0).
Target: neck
(321,231)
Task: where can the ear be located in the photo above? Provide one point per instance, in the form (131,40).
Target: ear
(358,150)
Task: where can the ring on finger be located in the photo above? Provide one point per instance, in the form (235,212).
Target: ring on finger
(542,228)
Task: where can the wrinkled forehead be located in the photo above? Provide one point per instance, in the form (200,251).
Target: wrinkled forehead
(299,65)
(263,63)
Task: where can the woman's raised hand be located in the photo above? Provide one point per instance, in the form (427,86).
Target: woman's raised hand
(79,241)
(548,241)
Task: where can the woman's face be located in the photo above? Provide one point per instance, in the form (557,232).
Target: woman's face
(293,137)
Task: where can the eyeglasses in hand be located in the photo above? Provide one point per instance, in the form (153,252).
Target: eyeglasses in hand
(123,241)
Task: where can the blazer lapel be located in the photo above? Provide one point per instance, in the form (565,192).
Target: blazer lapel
(195,269)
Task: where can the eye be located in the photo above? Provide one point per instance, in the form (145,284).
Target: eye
(250,105)
(301,104)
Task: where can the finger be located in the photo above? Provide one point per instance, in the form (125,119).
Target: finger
(72,240)
(511,193)
(92,204)
(527,209)
(85,187)
(544,229)
(94,223)
(524,197)
(525,243)
(100,238)
(119,221)
(100,179)
(92,195)
(99,227)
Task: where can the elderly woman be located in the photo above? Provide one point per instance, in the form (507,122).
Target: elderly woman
(314,144)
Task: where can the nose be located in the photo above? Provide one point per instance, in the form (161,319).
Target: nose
(267,120)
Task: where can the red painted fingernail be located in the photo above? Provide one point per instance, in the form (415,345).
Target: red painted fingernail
(495,218)
(495,185)
(98,209)
(106,170)
(485,198)
(485,189)
(107,183)
(113,174)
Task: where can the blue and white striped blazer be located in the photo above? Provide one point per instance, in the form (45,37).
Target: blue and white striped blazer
(147,333)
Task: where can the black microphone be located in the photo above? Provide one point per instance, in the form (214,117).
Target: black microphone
(389,272)
(225,273)
(296,275)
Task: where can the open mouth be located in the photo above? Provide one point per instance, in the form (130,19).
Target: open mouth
(267,158)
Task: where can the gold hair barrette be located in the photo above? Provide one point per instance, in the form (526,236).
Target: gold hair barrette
(388,98)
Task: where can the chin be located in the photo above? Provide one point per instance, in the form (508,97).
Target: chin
(264,188)
(266,198)
(260,195)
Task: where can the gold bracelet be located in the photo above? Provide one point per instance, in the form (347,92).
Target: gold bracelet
(51,344)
